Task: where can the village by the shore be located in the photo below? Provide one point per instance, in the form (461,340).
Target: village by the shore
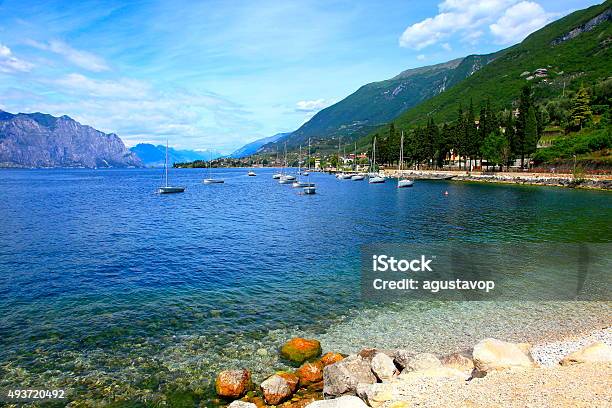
(572,372)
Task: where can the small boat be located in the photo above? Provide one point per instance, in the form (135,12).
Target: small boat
(169,189)
(276,176)
(310,190)
(302,184)
(358,177)
(375,178)
(305,173)
(251,173)
(288,177)
(346,176)
(210,179)
(213,181)
(402,182)
(286,180)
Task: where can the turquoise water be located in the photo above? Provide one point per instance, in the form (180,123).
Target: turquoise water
(118,294)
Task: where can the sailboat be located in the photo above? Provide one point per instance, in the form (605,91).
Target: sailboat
(309,188)
(210,179)
(298,183)
(285,178)
(307,172)
(251,173)
(356,176)
(375,178)
(166,189)
(402,182)
(276,176)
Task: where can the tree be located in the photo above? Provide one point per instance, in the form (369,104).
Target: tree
(581,109)
(526,136)
(495,148)
(531,132)
(334,160)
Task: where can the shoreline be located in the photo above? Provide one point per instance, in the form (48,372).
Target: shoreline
(401,378)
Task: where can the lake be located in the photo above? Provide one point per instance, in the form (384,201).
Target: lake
(105,283)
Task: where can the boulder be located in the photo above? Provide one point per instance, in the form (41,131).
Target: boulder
(422,361)
(299,350)
(435,372)
(347,401)
(241,404)
(342,377)
(402,357)
(279,387)
(496,355)
(598,352)
(383,367)
(233,384)
(310,373)
(375,394)
(458,361)
(330,358)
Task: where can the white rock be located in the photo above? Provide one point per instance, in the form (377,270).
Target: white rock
(496,355)
(347,401)
(598,352)
(422,361)
(383,367)
(342,377)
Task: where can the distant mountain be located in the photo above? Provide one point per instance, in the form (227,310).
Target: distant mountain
(573,50)
(253,147)
(379,102)
(41,140)
(155,155)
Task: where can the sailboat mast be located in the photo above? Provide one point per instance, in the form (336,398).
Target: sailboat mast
(401,157)
(166,163)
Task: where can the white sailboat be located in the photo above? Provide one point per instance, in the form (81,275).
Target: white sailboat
(166,189)
(309,188)
(356,176)
(307,171)
(276,176)
(210,179)
(251,173)
(402,182)
(285,178)
(299,183)
(375,178)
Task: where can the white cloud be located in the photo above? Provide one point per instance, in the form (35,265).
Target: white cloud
(9,63)
(122,88)
(468,18)
(82,59)
(519,21)
(447,47)
(311,106)
(421,57)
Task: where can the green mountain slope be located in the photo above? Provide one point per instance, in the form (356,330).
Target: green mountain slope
(379,102)
(575,49)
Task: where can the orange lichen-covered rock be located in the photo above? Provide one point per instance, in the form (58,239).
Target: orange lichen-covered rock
(310,373)
(299,350)
(330,358)
(233,384)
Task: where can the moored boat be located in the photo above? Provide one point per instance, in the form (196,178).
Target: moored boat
(166,189)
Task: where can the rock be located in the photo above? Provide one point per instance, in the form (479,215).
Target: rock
(299,350)
(233,384)
(342,377)
(279,387)
(598,352)
(495,355)
(330,358)
(458,361)
(383,367)
(375,394)
(347,401)
(422,361)
(402,357)
(310,373)
(241,404)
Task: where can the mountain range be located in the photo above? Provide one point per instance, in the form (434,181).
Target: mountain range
(253,147)
(155,155)
(41,140)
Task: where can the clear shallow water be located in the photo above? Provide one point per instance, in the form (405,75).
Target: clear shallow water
(103,282)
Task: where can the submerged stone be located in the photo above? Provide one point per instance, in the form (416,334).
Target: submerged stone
(299,350)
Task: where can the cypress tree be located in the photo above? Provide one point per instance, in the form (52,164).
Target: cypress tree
(581,109)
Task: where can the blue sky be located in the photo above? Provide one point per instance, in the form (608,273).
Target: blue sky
(218,74)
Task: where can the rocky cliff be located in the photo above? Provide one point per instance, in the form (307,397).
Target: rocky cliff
(41,140)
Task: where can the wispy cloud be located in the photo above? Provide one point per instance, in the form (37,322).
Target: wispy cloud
(507,20)
(120,88)
(9,63)
(80,58)
(311,106)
